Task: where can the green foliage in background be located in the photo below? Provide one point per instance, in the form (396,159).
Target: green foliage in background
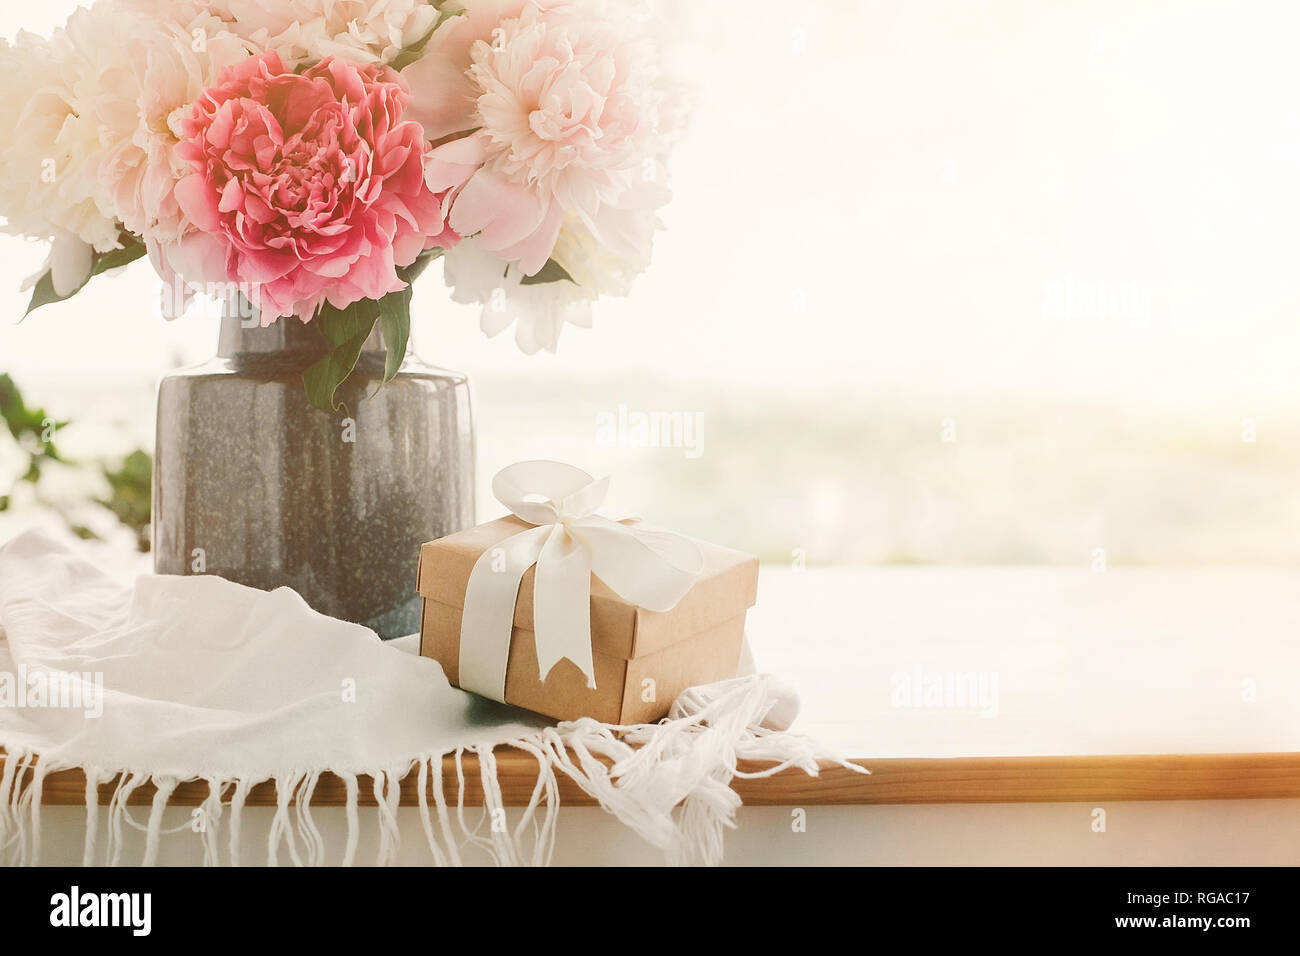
(130,498)
(34,430)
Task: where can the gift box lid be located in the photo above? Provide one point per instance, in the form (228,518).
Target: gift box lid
(727,586)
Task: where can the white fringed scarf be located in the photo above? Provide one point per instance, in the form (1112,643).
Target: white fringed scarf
(197,679)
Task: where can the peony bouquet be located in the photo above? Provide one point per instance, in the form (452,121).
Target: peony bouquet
(308,158)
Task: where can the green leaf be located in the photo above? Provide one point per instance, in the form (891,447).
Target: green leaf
(412,272)
(408,55)
(395,315)
(395,323)
(132,249)
(43,293)
(551,272)
(347,330)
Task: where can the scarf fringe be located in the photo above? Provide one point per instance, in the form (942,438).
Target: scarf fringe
(669,782)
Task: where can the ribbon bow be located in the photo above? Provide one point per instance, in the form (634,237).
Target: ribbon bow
(649,568)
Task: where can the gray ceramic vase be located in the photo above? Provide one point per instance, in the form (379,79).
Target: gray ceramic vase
(254,484)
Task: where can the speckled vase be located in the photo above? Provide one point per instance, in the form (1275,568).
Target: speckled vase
(254,484)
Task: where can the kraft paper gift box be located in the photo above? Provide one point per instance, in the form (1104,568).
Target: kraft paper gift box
(642,659)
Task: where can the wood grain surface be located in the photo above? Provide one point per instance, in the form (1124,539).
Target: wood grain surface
(1063,779)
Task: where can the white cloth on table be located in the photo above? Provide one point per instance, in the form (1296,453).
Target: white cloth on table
(195,678)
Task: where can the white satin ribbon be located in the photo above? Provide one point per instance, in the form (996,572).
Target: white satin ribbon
(648,568)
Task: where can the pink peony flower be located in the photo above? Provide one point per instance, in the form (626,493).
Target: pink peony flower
(444,97)
(310,184)
(565,122)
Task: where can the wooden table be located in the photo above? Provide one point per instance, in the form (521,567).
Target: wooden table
(1123,686)
(893,780)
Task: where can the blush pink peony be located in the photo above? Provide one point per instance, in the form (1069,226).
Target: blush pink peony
(310,185)
(565,123)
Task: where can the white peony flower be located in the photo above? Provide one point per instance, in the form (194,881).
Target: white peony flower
(174,62)
(552,123)
(52,123)
(304,31)
(597,267)
(68,264)
(566,123)
(91,118)
(444,97)
(538,311)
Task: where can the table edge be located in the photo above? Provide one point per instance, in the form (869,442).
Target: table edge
(893,780)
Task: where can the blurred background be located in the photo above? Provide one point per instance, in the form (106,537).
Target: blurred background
(942,283)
